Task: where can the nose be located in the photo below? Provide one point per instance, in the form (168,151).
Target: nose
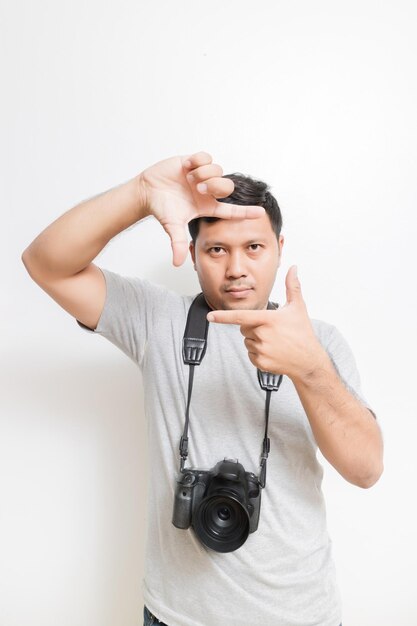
(235,266)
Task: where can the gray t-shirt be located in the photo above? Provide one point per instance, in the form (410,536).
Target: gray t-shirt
(283,575)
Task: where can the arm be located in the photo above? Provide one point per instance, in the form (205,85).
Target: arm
(345,430)
(60,259)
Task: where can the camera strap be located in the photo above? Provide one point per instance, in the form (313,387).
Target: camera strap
(193,350)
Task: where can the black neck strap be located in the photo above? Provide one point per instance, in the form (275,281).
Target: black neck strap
(193,350)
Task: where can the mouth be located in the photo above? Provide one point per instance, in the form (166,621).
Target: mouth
(239,292)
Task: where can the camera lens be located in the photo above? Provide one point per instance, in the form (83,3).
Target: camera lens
(221,523)
(223,513)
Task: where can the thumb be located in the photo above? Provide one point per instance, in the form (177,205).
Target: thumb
(293,285)
(179,242)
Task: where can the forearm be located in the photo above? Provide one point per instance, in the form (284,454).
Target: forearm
(73,240)
(345,430)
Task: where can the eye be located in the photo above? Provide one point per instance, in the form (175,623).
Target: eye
(215,249)
(258,245)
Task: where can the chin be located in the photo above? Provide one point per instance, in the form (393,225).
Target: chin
(241,305)
(246,307)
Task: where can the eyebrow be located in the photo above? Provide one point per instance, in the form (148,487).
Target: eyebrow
(211,243)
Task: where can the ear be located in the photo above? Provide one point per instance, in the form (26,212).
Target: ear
(280,246)
(192,252)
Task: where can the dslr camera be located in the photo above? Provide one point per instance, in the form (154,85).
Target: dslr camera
(222,504)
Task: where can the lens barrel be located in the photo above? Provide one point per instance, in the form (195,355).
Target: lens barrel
(221,522)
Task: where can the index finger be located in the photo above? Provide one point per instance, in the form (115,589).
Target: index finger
(228,211)
(191,161)
(244,317)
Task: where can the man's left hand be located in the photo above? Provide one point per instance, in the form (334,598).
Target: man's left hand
(280,341)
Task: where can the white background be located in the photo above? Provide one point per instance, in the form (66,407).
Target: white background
(316,98)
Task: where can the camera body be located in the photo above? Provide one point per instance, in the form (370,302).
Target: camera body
(222,504)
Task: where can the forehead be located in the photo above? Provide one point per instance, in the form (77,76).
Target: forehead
(236,231)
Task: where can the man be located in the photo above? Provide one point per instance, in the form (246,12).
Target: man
(283,575)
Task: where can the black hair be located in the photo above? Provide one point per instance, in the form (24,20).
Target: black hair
(247,191)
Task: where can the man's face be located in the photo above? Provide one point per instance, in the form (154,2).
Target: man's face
(236,262)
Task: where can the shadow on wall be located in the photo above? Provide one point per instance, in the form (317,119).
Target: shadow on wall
(102,394)
(73,466)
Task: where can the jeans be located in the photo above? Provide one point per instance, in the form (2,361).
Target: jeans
(149,619)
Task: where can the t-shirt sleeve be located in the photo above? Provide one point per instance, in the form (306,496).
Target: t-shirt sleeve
(128,315)
(343,360)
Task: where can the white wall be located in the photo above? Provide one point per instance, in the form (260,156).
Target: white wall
(316,98)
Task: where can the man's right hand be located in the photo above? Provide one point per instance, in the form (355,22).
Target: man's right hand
(172,194)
